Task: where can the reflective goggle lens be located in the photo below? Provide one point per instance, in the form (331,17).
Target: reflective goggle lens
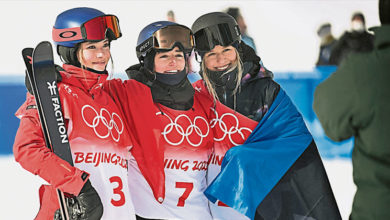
(207,38)
(96,28)
(165,38)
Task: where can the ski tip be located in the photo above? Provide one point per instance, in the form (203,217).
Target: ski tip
(27,55)
(46,45)
(43,52)
(27,51)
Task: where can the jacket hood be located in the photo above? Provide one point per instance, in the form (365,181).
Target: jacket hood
(139,73)
(133,70)
(250,59)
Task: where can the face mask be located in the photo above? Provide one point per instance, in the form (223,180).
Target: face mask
(357,26)
(221,78)
(173,90)
(171,79)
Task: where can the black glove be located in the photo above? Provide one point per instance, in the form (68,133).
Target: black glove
(86,206)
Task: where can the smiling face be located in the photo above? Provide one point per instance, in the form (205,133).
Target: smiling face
(170,62)
(220,58)
(94,55)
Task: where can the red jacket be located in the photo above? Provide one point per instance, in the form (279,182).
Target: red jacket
(78,88)
(175,147)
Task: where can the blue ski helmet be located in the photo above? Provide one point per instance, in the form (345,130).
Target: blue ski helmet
(78,25)
(73,18)
(163,35)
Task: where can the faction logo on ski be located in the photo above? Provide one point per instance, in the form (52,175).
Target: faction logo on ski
(52,87)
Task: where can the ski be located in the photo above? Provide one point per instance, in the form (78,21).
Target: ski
(42,77)
(27,57)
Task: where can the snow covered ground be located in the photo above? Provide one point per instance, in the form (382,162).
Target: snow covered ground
(19,188)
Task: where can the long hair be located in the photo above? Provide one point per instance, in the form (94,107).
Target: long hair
(211,87)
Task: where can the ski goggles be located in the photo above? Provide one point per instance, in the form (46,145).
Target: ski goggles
(220,34)
(95,29)
(166,38)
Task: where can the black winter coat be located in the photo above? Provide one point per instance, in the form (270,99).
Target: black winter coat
(253,99)
(354,101)
(258,90)
(351,42)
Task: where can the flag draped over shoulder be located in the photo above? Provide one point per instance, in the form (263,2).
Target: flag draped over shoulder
(277,173)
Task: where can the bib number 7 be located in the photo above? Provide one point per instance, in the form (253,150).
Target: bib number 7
(188,188)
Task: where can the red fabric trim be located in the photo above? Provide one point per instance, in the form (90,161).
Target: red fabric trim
(67,34)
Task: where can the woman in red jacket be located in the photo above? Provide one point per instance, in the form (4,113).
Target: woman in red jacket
(98,138)
(186,122)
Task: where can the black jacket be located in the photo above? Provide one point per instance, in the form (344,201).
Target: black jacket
(351,42)
(257,91)
(179,97)
(354,101)
(253,98)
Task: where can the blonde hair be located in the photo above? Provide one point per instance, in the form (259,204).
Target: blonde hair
(209,84)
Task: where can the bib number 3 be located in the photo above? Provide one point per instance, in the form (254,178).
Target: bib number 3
(118,191)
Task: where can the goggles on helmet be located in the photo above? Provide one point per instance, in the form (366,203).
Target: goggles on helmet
(94,30)
(166,38)
(220,34)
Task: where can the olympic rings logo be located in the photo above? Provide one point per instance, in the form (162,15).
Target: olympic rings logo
(192,128)
(104,122)
(228,131)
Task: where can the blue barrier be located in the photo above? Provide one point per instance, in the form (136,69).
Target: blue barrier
(299,86)
(13,94)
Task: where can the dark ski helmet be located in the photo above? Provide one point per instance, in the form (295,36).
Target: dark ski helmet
(78,25)
(215,28)
(163,35)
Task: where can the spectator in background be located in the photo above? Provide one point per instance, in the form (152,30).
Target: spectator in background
(354,101)
(326,45)
(236,14)
(356,40)
(171,16)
